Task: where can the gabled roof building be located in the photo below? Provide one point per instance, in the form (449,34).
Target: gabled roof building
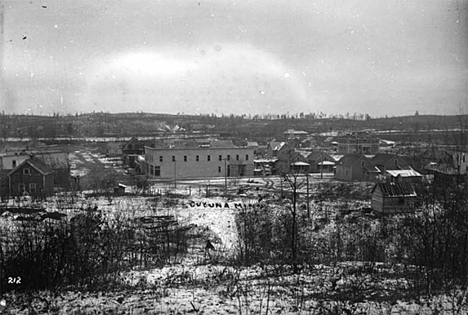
(32,177)
(391,198)
(356,167)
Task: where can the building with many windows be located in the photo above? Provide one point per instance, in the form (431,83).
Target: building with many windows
(216,159)
(358,142)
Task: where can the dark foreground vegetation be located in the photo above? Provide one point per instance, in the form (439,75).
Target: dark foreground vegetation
(88,252)
(351,254)
(433,241)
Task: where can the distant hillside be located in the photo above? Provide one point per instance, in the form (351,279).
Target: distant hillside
(144,124)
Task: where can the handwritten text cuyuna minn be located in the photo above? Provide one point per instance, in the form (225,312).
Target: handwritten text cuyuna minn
(225,205)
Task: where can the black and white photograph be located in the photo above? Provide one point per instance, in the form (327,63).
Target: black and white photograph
(234,157)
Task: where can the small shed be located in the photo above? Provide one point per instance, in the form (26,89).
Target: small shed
(391,198)
(120,189)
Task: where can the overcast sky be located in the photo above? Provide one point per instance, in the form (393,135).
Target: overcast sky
(389,57)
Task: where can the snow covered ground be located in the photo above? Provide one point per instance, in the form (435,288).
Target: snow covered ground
(201,285)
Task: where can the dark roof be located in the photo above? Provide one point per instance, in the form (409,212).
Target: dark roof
(40,166)
(351,158)
(320,155)
(384,158)
(396,189)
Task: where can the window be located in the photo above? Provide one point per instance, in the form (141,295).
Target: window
(246,157)
(26,171)
(151,170)
(160,158)
(208,158)
(237,157)
(228,157)
(157,171)
(32,187)
(197,158)
(173,158)
(395,161)
(21,188)
(220,157)
(463,158)
(362,163)
(219,169)
(185,158)
(13,163)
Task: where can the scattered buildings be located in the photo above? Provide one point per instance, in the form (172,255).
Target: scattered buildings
(319,161)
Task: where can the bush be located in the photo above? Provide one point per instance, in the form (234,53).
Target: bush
(88,251)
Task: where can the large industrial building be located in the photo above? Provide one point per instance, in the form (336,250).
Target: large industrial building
(195,160)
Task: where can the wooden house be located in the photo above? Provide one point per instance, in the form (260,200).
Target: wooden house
(390,198)
(385,161)
(284,156)
(320,162)
(356,167)
(131,150)
(32,177)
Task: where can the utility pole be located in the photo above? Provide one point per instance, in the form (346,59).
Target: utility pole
(225,176)
(321,167)
(175,174)
(308,202)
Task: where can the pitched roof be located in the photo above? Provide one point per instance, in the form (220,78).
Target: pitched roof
(320,155)
(304,154)
(396,189)
(404,173)
(351,158)
(384,158)
(276,145)
(40,166)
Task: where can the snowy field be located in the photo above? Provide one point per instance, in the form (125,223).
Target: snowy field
(200,284)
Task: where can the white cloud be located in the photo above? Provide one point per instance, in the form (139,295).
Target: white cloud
(224,78)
